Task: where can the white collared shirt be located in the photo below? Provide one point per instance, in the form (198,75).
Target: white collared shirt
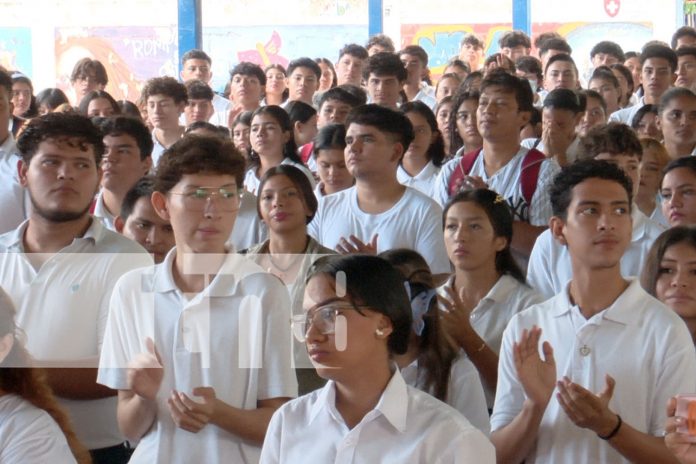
(234,336)
(63,307)
(641,343)
(406,426)
(414,222)
(424,181)
(625,115)
(252,182)
(14,202)
(157,151)
(550,267)
(426,94)
(248,228)
(103,214)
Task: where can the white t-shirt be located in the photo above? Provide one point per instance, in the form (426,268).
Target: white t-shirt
(252,182)
(572,154)
(248,229)
(506,181)
(414,222)
(550,268)
(464,391)
(28,435)
(63,307)
(234,336)
(407,426)
(424,181)
(14,201)
(491,315)
(426,95)
(641,343)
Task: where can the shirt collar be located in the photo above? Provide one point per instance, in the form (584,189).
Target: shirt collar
(501,290)
(14,239)
(621,310)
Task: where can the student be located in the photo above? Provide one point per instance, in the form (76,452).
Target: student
(98,103)
(604,82)
(562,113)
(86,76)
(128,145)
(199,106)
(514,44)
(376,214)
(529,67)
(303,79)
(447,86)
(487,287)
(645,122)
(385,75)
(626,84)
(659,64)
(247,81)
(678,192)
(471,51)
(23,97)
(586,401)
(415,60)
(328,78)
(686,68)
(654,160)
(379,43)
(328,149)
(196,64)
(33,428)
(276,88)
(241,130)
(303,118)
(606,53)
(561,73)
(205,128)
(443,112)
(463,130)
(13,200)
(684,36)
(550,264)
(498,60)
(335,104)
(166,99)
(504,108)
(552,47)
(632,63)
(59,268)
(458,67)
(272,143)
(366,412)
(432,363)
(595,112)
(422,160)
(139,221)
(49,99)
(668,274)
(351,63)
(676,119)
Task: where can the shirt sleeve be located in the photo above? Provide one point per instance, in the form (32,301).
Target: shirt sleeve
(509,395)
(466,394)
(471,446)
(440,189)
(270,452)
(37,440)
(540,209)
(431,242)
(540,268)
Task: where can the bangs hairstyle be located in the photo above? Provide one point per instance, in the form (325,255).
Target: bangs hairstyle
(142,189)
(373,282)
(642,111)
(436,149)
(198,154)
(385,64)
(653,263)
(660,151)
(342,95)
(330,137)
(88,67)
(686,162)
(94,95)
(561,191)
(672,94)
(124,125)
(614,138)
(299,112)
(51,98)
(68,127)
(198,90)
(283,120)
(166,86)
(385,120)
(298,179)
(500,217)
(246,68)
(511,84)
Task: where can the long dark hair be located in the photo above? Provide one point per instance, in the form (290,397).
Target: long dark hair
(283,120)
(500,216)
(436,150)
(435,353)
(456,141)
(651,269)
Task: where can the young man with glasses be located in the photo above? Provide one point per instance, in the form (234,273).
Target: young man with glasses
(199,345)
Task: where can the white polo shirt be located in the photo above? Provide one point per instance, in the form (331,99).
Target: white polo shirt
(14,202)
(424,181)
(63,307)
(252,182)
(506,181)
(641,343)
(103,214)
(234,336)
(550,269)
(464,390)
(414,222)
(29,435)
(492,314)
(406,426)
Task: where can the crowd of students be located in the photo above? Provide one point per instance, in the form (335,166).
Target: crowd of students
(342,262)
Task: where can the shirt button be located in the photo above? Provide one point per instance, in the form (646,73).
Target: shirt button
(585,350)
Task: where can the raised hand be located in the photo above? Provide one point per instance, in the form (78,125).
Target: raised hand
(537,376)
(678,443)
(586,409)
(192,415)
(145,372)
(354,245)
(455,318)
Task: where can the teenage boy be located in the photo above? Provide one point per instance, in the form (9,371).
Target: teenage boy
(303,80)
(550,264)
(198,346)
(519,174)
(59,268)
(196,64)
(12,195)
(128,145)
(380,43)
(415,60)
(378,213)
(685,36)
(385,75)
(606,53)
(612,354)
(87,75)
(350,65)
(686,68)
(199,106)
(659,65)
(515,44)
(165,99)
(676,119)
(247,81)
(552,47)
(139,221)
(560,73)
(471,51)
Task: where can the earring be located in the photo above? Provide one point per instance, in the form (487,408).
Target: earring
(379,332)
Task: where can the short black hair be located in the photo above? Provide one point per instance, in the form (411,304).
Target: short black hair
(587,93)
(544,36)
(381,40)
(245,68)
(95,94)
(614,137)
(417,51)
(684,31)
(60,126)
(342,95)
(359,94)
(626,73)
(608,48)
(167,86)
(473,40)
(143,188)
(283,120)
(355,50)
(385,120)
(563,99)
(373,282)
(457,63)
(195,54)
(561,57)
(51,98)
(561,190)
(686,162)
(659,51)
(559,44)
(686,51)
(124,125)
(642,111)
(512,84)
(329,137)
(385,64)
(219,131)
(512,39)
(301,182)
(672,94)
(198,90)
(304,62)
(605,73)
(299,112)
(530,65)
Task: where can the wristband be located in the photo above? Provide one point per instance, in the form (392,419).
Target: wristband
(613,433)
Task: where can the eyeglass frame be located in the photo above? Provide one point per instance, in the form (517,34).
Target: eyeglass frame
(210,193)
(298,319)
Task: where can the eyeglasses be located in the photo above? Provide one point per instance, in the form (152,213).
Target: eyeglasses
(327,319)
(197,199)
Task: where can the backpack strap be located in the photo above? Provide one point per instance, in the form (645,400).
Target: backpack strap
(461,171)
(529,175)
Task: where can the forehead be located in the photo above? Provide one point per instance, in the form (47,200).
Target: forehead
(196,62)
(466,209)
(656,62)
(358,129)
(496,91)
(245,76)
(686,58)
(160,98)
(302,70)
(598,81)
(280,181)
(557,113)
(264,118)
(143,210)
(618,157)
(679,176)
(682,102)
(207,180)
(561,65)
(320,288)
(331,154)
(349,57)
(598,190)
(65,147)
(383,77)
(335,104)
(119,139)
